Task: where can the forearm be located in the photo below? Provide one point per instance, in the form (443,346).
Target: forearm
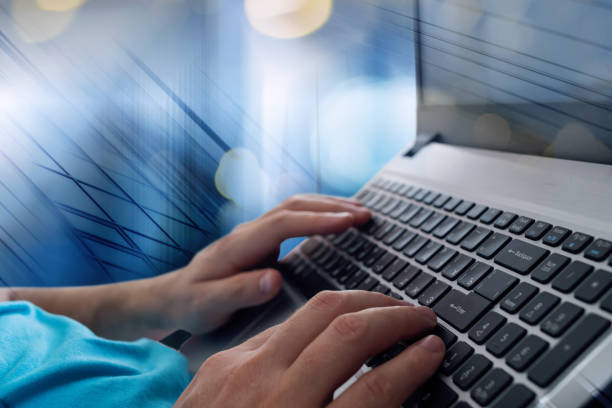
(123,311)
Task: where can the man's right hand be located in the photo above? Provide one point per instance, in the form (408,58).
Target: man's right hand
(301,362)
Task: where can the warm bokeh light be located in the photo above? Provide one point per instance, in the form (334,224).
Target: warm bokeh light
(240,178)
(588,147)
(36,25)
(287,18)
(492,130)
(59,5)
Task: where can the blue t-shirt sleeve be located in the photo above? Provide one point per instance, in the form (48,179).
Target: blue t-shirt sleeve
(48,360)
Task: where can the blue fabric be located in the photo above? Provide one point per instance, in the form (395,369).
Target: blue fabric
(53,361)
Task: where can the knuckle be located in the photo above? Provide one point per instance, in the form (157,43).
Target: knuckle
(378,387)
(350,326)
(217,361)
(279,217)
(327,300)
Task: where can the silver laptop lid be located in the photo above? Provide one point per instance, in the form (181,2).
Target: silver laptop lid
(524,76)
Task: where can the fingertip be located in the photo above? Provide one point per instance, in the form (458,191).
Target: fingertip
(432,344)
(270,282)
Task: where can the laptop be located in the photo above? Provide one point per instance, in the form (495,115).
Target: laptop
(497,216)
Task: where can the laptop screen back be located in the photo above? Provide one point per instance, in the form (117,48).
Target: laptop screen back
(524,76)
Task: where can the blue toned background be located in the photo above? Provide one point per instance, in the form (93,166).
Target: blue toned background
(134,133)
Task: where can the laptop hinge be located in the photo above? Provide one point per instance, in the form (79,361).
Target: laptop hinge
(421,141)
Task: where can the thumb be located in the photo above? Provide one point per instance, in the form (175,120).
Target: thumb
(247,288)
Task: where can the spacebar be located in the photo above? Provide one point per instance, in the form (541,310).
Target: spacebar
(461,311)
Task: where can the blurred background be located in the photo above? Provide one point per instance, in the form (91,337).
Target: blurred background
(133,133)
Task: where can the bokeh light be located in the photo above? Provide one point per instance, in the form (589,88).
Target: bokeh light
(287,18)
(588,148)
(34,24)
(59,5)
(363,123)
(491,130)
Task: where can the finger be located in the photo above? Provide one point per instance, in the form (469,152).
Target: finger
(244,290)
(391,383)
(310,320)
(320,203)
(338,352)
(256,341)
(256,241)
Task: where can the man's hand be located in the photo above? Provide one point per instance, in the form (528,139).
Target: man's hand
(236,271)
(301,362)
(231,274)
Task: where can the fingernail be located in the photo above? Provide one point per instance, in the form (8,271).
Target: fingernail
(432,344)
(266,282)
(428,313)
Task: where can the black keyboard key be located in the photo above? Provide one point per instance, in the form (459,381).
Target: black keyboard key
(346,273)
(549,268)
(385,229)
(561,319)
(368,283)
(505,338)
(569,277)
(441,200)
(473,369)
(380,265)
(538,307)
(391,205)
(432,222)
(415,246)
(421,194)
(404,240)
(459,232)
(577,242)
(455,267)
(445,227)
(448,337)
(405,276)
(431,197)
(518,396)
(505,220)
(520,225)
(399,210)
(475,238)
(418,284)
(606,303)
(477,211)
(365,250)
(382,203)
(410,212)
(373,256)
(537,230)
(474,274)
(491,386)
(433,293)
(455,356)
(394,269)
(464,207)
(490,215)
(310,246)
(486,326)
(441,259)
(556,236)
(545,370)
(599,250)
(452,204)
(411,192)
(518,297)
(594,286)
(393,236)
(495,285)
(460,310)
(427,252)
(433,394)
(520,256)
(356,245)
(356,280)
(492,245)
(525,352)
(420,218)
(380,288)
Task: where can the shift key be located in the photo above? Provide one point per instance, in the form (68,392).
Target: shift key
(520,256)
(461,311)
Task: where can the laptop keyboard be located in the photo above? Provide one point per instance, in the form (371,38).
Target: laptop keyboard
(513,294)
